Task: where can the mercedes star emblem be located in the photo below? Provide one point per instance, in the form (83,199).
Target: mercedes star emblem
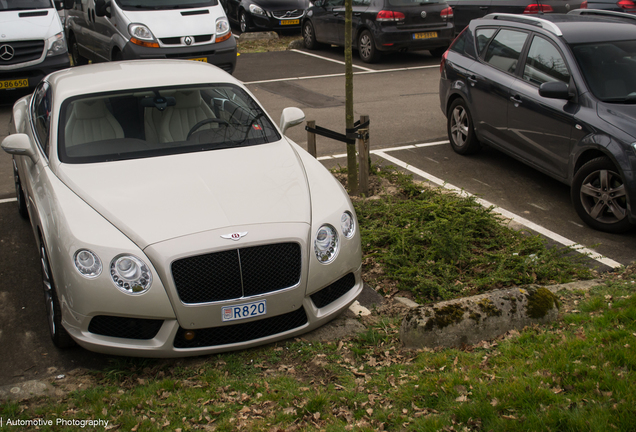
(6,52)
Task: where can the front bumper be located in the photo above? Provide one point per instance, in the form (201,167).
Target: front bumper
(222,54)
(272,23)
(34,73)
(165,338)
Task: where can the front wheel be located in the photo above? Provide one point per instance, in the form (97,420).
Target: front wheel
(59,335)
(599,196)
(461,132)
(78,59)
(19,194)
(366,48)
(309,36)
(244,22)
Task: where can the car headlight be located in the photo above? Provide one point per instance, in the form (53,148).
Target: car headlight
(142,36)
(347,224)
(222,29)
(130,274)
(256,10)
(57,45)
(87,263)
(326,244)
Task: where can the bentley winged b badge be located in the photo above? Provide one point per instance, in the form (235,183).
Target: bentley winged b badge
(235,236)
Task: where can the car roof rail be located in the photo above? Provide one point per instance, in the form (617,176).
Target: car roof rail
(600,12)
(543,23)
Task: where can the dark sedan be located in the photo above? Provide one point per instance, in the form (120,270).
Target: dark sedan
(266,14)
(381,26)
(556,92)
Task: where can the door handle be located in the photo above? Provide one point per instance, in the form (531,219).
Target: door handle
(483,7)
(472,79)
(357,14)
(516,99)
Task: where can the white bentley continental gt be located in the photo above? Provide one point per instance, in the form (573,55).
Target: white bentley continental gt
(173,217)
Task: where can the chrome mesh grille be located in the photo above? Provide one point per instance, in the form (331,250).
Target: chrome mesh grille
(237,273)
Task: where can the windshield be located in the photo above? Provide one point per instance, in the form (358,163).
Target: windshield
(24,4)
(609,69)
(164,4)
(160,121)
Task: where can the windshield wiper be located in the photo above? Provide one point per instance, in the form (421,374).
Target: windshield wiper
(629,99)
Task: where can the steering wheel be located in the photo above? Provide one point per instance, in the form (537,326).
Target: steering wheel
(204,122)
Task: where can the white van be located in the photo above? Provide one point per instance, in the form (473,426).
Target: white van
(101,30)
(32,45)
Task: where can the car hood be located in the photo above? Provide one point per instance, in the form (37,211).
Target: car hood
(620,115)
(155,199)
(282,5)
(171,23)
(29,27)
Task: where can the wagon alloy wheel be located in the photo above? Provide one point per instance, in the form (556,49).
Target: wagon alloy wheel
(58,333)
(22,206)
(366,48)
(461,133)
(309,37)
(244,22)
(599,197)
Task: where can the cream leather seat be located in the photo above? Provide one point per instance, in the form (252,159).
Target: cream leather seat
(91,121)
(176,121)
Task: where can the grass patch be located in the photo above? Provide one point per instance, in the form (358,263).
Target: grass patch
(281,43)
(439,245)
(574,375)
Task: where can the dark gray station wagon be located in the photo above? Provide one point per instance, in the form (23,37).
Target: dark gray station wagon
(556,92)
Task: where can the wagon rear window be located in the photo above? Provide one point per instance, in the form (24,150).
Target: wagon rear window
(154,122)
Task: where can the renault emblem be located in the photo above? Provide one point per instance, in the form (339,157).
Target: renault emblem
(234,236)
(423,14)
(6,52)
(188,40)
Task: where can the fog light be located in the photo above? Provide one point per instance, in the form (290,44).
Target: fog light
(188,335)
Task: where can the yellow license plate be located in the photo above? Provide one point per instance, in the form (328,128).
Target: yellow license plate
(290,22)
(425,35)
(201,59)
(11,84)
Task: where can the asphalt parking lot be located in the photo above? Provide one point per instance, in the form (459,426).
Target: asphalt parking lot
(408,129)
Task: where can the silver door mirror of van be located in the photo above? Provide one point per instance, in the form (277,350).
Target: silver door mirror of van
(101,8)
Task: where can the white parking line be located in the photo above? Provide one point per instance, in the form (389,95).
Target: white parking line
(507,214)
(363,72)
(2,201)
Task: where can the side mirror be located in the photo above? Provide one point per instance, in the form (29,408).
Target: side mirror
(291,117)
(101,8)
(19,145)
(555,90)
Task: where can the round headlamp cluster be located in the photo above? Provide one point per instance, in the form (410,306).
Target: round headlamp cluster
(327,242)
(130,274)
(87,263)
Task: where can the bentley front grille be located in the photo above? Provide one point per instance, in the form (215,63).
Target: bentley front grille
(237,273)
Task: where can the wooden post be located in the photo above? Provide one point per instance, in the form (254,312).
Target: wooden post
(364,162)
(311,138)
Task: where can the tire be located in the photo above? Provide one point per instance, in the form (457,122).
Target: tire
(118,56)
(244,22)
(73,48)
(438,52)
(59,335)
(19,194)
(461,132)
(309,36)
(599,198)
(366,48)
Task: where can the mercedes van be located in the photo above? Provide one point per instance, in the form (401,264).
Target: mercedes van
(32,45)
(101,30)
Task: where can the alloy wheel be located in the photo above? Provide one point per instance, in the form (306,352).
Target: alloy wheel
(603,196)
(459,126)
(365,46)
(48,290)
